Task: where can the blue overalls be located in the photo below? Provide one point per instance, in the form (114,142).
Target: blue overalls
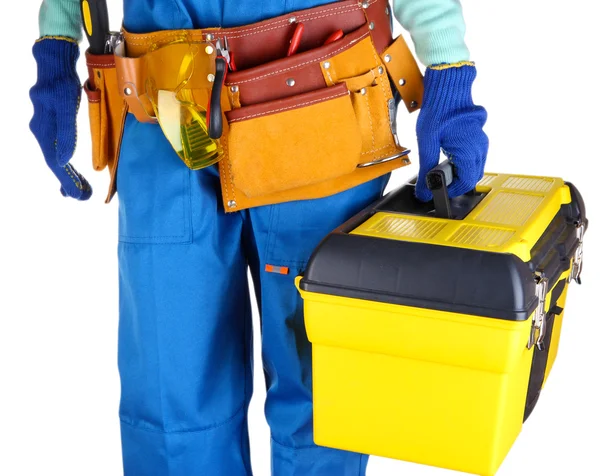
(185,332)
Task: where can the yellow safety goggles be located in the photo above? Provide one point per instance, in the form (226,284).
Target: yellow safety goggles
(177,100)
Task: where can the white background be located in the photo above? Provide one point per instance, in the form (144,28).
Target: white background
(59,388)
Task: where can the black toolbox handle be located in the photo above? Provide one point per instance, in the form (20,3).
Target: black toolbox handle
(438,179)
(404,200)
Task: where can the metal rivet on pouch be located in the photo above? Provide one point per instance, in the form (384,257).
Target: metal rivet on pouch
(363,91)
(128,91)
(292,20)
(406,161)
(234,89)
(365,4)
(326,65)
(209,37)
(290,82)
(231,204)
(414,104)
(387,10)
(387,58)
(380,69)
(209,50)
(211,78)
(372,25)
(402,82)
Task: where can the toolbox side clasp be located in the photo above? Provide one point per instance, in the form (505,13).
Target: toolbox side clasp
(538,326)
(578,258)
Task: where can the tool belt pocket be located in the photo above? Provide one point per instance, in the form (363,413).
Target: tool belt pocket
(107,112)
(291,142)
(311,117)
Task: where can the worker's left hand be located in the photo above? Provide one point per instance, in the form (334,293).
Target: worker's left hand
(450,122)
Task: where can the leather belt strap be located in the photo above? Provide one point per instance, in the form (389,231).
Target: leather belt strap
(268,40)
(256,44)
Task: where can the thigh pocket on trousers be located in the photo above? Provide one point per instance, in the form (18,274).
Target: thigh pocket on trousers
(296,228)
(154,189)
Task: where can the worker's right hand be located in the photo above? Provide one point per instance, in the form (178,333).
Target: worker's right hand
(55,99)
(450,122)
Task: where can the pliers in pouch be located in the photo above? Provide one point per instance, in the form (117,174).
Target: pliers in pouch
(223,62)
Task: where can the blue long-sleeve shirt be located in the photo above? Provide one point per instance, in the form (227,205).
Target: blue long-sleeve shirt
(437,27)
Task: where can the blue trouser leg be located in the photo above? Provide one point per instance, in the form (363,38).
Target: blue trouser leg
(286,234)
(185,334)
(185,319)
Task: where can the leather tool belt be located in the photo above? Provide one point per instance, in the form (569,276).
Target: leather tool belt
(296,127)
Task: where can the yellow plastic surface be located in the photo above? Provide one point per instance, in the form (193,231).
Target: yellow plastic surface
(431,387)
(510,219)
(87,17)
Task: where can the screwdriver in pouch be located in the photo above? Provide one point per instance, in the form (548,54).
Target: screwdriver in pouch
(96,26)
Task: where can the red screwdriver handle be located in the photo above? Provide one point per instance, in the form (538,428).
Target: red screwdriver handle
(296,38)
(336,35)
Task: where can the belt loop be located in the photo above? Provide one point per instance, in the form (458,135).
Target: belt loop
(377,15)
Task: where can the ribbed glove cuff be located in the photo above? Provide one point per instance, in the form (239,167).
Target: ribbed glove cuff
(448,88)
(56,58)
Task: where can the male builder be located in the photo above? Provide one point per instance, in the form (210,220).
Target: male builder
(185,348)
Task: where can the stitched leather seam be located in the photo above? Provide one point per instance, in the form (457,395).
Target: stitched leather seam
(295,106)
(285,23)
(246,33)
(382,156)
(375,150)
(282,26)
(323,14)
(370,121)
(378,64)
(231,179)
(315,60)
(228,172)
(102,65)
(222,169)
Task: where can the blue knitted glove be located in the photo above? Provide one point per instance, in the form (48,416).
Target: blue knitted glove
(55,100)
(451,122)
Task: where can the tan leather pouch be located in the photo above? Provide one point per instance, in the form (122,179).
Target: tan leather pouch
(404,71)
(310,125)
(107,111)
(362,70)
(292,142)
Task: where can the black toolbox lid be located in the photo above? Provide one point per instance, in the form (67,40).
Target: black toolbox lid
(444,278)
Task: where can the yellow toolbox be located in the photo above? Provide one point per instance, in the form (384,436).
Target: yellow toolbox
(435,328)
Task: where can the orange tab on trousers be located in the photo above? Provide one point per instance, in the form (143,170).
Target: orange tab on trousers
(277,269)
